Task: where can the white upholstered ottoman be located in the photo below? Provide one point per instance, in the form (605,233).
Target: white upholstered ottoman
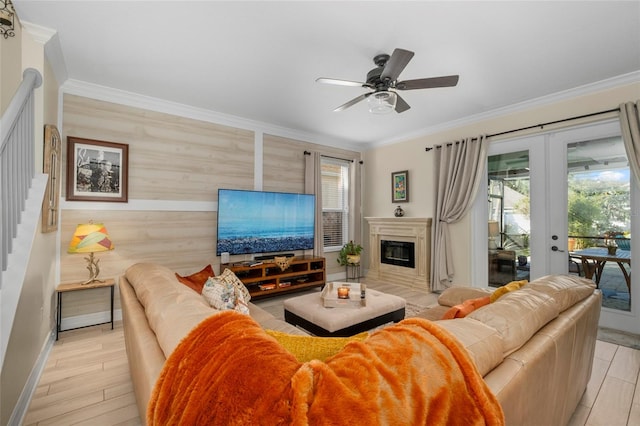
(308,312)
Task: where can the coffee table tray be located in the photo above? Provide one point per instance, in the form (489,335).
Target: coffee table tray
(356,295)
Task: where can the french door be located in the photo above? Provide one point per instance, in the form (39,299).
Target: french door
(544,188)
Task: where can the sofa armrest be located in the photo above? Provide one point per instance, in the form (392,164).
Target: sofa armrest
(143,352)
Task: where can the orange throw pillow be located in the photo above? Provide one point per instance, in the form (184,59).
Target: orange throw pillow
(196,281)
(465,308)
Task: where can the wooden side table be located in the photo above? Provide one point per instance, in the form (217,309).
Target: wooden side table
(64,288)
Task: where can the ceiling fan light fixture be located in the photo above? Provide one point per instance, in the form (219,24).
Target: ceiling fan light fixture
(382,102)
(380,80)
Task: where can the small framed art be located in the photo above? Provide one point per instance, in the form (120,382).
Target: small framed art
(400,187)
(97,170)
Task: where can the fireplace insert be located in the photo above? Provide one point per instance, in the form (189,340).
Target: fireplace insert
(400,253)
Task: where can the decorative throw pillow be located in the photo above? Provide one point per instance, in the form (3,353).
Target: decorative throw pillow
(513,285)
(306,348)
(229,277)
(224,295)
(465,308)
(196,281)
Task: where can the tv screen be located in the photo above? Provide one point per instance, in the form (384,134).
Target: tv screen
(264,222)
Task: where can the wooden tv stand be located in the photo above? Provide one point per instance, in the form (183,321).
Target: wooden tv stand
(266,279)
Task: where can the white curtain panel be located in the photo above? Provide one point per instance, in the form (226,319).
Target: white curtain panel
(355,201)
(630,126)
(313,185)
(459,170)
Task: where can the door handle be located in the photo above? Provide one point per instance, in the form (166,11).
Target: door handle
(555,248)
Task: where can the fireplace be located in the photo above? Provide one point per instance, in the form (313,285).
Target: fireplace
(400,250)
(400,253)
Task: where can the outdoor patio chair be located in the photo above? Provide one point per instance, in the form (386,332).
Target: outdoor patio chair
(575,266)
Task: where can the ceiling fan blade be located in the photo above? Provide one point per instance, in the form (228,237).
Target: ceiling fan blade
(401,105)
(399,59)
(428,83)
(353,101)
(340,82)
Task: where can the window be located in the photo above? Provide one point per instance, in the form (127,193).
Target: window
(335,203)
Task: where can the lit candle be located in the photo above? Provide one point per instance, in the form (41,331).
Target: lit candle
(343,292)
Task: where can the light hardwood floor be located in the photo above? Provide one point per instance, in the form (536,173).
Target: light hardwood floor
(86,379)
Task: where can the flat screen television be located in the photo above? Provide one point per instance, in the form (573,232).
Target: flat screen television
(264,222)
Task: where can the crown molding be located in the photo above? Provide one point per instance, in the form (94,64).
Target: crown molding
(587,89)
(39,33)
(122,97)
(52,49)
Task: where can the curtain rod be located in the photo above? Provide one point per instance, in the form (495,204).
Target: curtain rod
(541,125)
(335,158)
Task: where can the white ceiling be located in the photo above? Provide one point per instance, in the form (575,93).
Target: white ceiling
(259,60)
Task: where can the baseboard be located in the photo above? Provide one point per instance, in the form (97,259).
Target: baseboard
(90,319)
(22,405)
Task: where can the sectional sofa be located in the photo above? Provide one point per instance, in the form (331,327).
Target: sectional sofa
(533,347)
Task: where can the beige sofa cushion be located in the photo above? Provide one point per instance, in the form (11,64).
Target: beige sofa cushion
(433,313)
(517,316)
(269,322)
(172,309)
(483,343)
(567,290)
(456,295)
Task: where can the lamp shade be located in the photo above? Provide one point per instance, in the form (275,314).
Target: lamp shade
(90,238)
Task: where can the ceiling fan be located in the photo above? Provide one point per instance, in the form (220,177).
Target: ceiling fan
(383,80)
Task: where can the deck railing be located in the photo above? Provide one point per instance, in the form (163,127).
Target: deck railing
(17,161)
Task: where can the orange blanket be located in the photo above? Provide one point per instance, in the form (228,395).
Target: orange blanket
(228,371)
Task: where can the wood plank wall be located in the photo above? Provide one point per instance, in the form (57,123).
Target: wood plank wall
(171,160)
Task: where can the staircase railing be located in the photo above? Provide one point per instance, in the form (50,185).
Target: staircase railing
(17,160)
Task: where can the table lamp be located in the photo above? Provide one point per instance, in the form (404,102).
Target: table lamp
(90,238)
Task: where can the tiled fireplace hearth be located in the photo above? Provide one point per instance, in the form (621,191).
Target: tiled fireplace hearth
(400,250)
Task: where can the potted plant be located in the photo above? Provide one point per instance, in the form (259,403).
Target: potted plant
(610,242)
(349,254)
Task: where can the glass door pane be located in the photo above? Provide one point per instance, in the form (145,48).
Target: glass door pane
(509,225)
(562,191)
(599,216)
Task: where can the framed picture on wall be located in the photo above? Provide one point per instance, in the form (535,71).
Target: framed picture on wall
(400,187)
(97,170)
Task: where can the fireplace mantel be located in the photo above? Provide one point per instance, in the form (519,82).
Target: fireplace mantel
(411,229)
